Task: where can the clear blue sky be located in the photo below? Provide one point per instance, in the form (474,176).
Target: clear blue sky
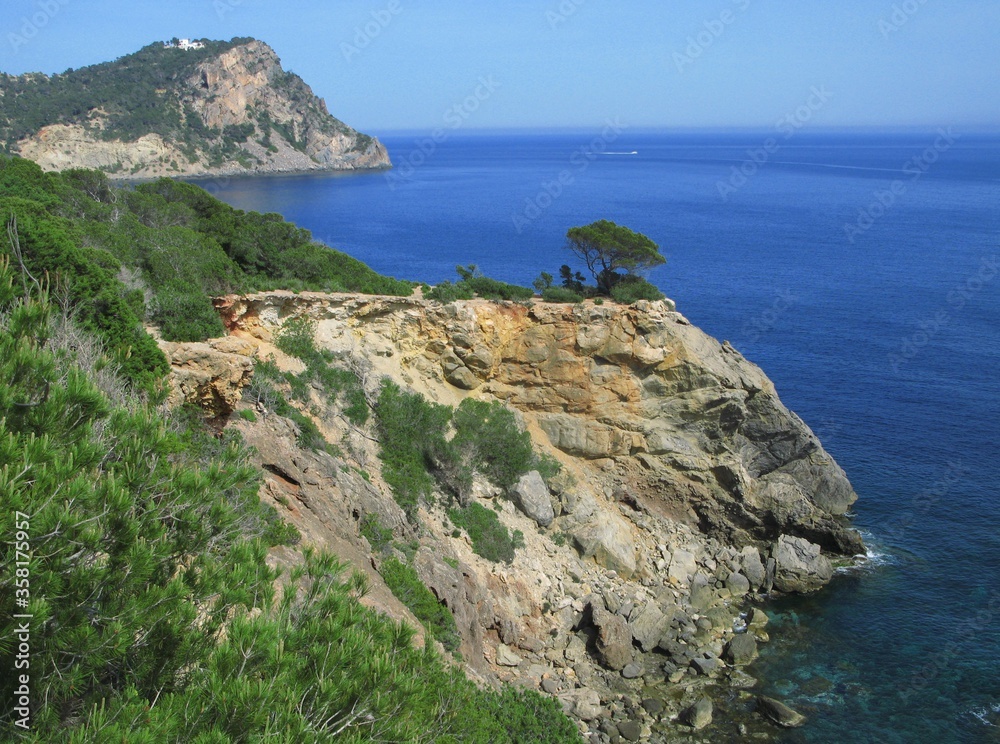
(933,63)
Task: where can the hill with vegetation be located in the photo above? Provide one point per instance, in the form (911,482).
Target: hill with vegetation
(155,615)
(156,254)
(219,107)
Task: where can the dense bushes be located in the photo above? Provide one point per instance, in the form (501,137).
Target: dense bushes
(487,435)
(561,294)
(633,289)
(176,245)
(154,616)
(426,445)
(490,538)
(474,284)
(411,428)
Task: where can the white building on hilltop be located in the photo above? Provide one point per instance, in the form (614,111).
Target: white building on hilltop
(184,44)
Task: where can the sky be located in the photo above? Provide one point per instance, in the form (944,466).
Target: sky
(385,65)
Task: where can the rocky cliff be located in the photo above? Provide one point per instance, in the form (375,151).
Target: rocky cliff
(231,112)
(687,491)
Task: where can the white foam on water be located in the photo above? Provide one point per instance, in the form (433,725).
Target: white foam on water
(982,714)
(876,555)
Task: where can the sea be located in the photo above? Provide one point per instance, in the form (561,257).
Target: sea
(859,269)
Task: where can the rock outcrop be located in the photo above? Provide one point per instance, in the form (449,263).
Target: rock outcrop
(252,117)
(686,488)
(679,426)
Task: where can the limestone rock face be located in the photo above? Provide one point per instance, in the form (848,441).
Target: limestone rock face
(210,375)
(684,486)
(799,566)
(239,88)
(685,424)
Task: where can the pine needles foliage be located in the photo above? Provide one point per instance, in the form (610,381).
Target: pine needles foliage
(153,611)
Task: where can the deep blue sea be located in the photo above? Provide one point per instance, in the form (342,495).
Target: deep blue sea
(861,271)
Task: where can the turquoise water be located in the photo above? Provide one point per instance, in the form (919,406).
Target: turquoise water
(862,272)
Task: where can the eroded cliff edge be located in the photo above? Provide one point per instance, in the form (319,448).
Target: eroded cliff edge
(687,488)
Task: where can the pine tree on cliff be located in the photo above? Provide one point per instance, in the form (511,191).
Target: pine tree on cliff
(607,248)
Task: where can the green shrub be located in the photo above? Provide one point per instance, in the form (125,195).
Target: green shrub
(561,294)
(474,284)
(447,292)
(487,435)
(529,717)
(378,537)
(412,592)
(633,289)
(297,338)
(247,414)
(186,316)
(490,538)
(410,429)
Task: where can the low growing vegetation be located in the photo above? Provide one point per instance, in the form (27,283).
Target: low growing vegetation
(411,591)
(158,253)
(154,614)
(427,446)
(474,284)
(490,538)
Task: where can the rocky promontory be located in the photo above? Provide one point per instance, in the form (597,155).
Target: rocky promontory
(223,108)
(687,492)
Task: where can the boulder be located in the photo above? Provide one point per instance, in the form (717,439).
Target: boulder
(705,665)
(752,566)
(757,618)
(799,566)
(682,566)
(507,657)
(702,594)
(614,639)
(778,713)
(532,496)
(737,584)
(699,715)
(463,377)
(630,730)
(609,542)
(632,671)
(583,703)
(741,650)
(649,625)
